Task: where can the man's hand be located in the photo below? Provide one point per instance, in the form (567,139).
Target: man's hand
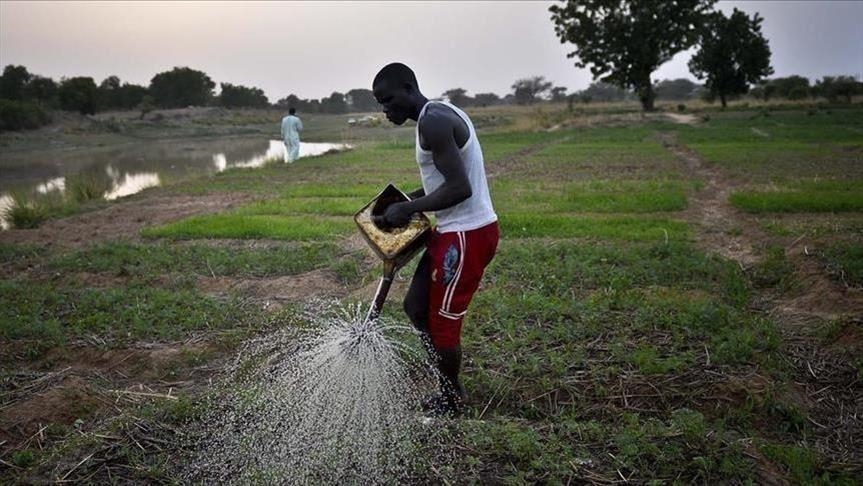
(395,216)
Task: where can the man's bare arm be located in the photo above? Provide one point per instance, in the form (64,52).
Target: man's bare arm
(437,132)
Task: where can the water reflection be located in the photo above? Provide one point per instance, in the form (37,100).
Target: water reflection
(128,169)
(5,204)
(131,183)
(276,152)
(56,184)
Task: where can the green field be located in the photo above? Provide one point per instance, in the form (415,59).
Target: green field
(613,339)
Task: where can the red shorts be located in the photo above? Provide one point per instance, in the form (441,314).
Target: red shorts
(457,262)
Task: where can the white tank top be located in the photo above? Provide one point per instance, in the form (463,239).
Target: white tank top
(475,211)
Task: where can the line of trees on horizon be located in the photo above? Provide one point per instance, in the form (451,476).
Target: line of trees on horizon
(27,100)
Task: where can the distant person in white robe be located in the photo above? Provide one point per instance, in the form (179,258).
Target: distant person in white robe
(292,126)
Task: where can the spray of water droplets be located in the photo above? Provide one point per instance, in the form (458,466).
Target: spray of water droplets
(334,402)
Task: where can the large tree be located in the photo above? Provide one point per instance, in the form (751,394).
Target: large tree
(733,54)
(624,41)
(457,96)
(79,94)
(42,89)
(784,86)
(109,93)
(335,103)
(486,99)
(361,100)
(13,81)
(236,96)
(528,90)
(181,87)
(114,96)
(558,93)
(131,95)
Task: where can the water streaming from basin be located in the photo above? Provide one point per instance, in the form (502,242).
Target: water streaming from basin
(335,402)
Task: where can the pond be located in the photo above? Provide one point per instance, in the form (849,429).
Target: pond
(127,169)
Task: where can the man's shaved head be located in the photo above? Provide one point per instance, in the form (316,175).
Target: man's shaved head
(396,89)
(396,74)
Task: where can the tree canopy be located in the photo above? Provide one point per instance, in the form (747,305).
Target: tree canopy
(733,54)
(79,94)
(528,90)
(360,100)
(13,81)
(624,41)
(335,103)
(116,96)
(41,89)
(558,93)
(181,87)
(457,96)
(236,96)
(782,87)
(486,99)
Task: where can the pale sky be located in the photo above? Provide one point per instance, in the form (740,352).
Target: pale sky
(314,48)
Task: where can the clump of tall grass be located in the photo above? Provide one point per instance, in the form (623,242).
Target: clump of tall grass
(28,211)
(88,186)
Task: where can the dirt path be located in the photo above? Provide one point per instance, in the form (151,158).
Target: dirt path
(684,119)
(721,228)
(825,387)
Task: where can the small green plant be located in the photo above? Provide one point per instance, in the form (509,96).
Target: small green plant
(801,464)
(846,262)
(24,458)
(774,271)
(648,361)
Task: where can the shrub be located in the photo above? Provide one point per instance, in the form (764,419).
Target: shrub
(26,212)
(21,115)
(87,186)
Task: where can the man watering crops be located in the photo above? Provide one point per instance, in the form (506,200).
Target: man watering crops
(292,126)
(465,239)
